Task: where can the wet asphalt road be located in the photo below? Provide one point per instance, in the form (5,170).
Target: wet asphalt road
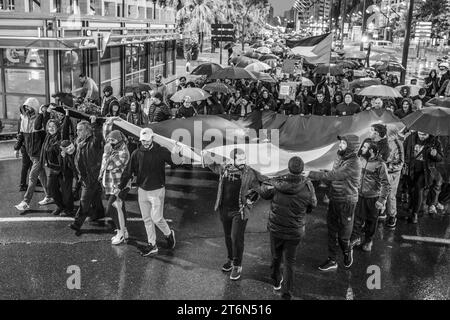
(35,255)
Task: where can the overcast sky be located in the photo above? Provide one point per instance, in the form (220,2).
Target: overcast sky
(280,6)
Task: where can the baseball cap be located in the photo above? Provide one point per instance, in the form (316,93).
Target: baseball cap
(146,134)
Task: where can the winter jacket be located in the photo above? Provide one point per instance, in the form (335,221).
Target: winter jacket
(148,166)
(396,158)
(31,129)
(50,156)
(345,176)
(289,108)
(349,109)
(158,112)
(291,195)
(114,162)
(184,112)
(270,102)
(432,85)
(105,106)
(137,118)
(249,185)
(400,113)
(321,109)
(375,182)
(383,149)
(88,157)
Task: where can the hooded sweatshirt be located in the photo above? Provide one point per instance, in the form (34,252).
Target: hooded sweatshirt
(345,176)
(31,132)
(291,195)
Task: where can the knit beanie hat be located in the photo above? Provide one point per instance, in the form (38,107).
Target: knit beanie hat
(380,128)
(295,165)
(115,134)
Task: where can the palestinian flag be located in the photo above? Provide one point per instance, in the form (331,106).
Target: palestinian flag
(315,49)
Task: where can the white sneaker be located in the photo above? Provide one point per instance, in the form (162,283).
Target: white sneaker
(118,239)
(45,201)
(23,206)
(125,234)
(440,206)
(116,231)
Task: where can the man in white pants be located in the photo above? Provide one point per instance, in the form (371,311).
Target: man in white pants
(148,165)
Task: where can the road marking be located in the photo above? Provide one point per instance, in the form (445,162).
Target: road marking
(426,239)
(51,219)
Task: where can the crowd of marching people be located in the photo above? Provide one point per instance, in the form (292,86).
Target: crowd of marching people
(87,160)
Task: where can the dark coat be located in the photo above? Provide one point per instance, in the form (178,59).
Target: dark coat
(291,195)
(349,109)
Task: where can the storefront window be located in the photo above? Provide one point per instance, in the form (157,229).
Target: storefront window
(135,64)
(28,58)
(110,71)
(14,102)
(72,66)
(25,81)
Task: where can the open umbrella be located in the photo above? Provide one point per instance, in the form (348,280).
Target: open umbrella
(431,120)
(243,61)
(380,91)
(383,57)
(267,57)
(263,50)
(334,69)
(438,102)
(307,82)
(195,94)
(263,77)
(258,66)
(232,73)
(413,89)
(364,82)
(254,55)
(388,66)
(355,55)
(348,64)
(206,69)
(218,87)
(277,50)
(272,63)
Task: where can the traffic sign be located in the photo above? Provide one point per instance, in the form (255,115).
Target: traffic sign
(104,40)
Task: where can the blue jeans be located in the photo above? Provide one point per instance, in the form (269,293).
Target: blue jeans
(37,171)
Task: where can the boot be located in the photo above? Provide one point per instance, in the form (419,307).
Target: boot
(414,218)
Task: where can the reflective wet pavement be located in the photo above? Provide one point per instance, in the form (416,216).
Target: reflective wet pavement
(35,255)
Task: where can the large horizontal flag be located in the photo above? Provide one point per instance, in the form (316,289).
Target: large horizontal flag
(315,49)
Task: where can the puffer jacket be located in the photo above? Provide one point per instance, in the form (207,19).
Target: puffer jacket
(396,158)
(345,176)
(375,181)
(158,112)
(31,131)
(114,162)
(291,195)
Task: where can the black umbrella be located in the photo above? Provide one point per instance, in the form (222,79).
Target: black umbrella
(206,69)
(364,82)
(243,61)
(334,69)
(268,57)
(232,73)
(431,120)
(218,87)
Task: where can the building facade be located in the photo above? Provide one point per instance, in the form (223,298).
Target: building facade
(45,45)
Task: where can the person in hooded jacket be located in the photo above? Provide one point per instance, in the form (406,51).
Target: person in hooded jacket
(373,193)
(348,107)
(115,111)
(187,110)
(105,105)
(338,98)
(266,102)
(114,161)
(345,178)
(290,196)
(289,107)
(32,124)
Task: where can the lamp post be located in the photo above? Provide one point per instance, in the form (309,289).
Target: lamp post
(406,44)
(342,23)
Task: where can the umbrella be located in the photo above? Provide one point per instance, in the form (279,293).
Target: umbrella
(195,94)
(334,69)
(232,73)
(263,50)
(380,91)
(218,87)
(272,63)
(258,66)
(307,82)
(383,57)
(206,69)
(388,66)
(348,64)
(364,82)
(243,61)
(228,45)
(414,90)
(267,57)
(355,55)
(432,120)
(438,102)
(253,55)
(263,77)
(270,40)
(277,50)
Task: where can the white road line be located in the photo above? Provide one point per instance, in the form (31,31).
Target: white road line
(52,219)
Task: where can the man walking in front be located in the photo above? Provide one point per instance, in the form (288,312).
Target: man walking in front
(345,179)
(148,165)
(237,191)
(291,195)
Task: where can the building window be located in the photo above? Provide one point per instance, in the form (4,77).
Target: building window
(110,68)
(150,13)
(33,6)
(72,66)
(55,6)
(157,60)
(7,5)
(135,64)
(110,9)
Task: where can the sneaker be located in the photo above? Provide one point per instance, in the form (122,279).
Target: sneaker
(391,222)
(45,201)
(171,239)
(151,249)
(367,247)
(23,206)
(118,238)
(355,242)
(382,216)
(277,285)
(328,265)
(348,258)
(432,210)
(228,266)
(325,199)
(440,207)
(236,273)
(56,212)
